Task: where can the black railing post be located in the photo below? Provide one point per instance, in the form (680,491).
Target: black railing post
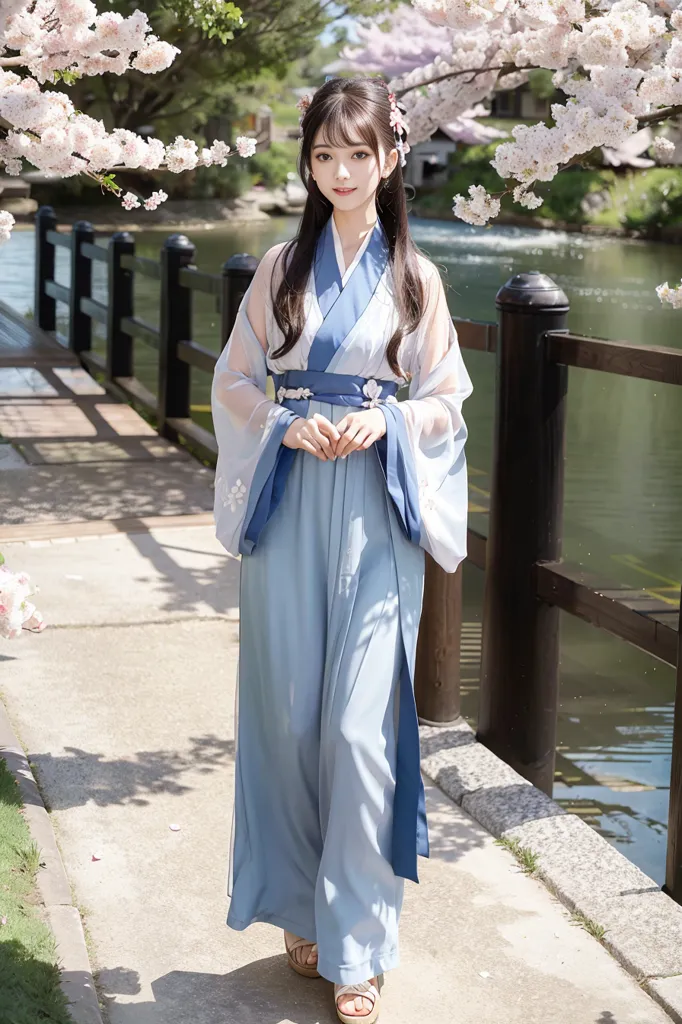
(80,324)
(673,872)
(44,305)
(175,325)
(436,683)
(119,358)
(520,656)
(237,272)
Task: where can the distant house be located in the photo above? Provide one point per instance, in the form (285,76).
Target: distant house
(521,103)
(427,162)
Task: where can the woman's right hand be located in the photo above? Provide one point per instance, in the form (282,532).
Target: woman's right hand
(316,435)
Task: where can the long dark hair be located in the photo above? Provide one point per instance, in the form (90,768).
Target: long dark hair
(350,109)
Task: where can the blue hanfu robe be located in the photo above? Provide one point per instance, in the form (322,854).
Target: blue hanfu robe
(329,815)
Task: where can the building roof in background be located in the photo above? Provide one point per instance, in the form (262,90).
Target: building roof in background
(629,154)
(470,131)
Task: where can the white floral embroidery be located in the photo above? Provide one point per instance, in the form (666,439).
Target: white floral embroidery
(297,393)
(373,390)
(392,399)
(426,501)
(236,495)
(233,496)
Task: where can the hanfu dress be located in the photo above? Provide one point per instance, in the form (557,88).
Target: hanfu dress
(329,814)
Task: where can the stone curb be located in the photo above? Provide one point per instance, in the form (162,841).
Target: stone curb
(643,926)
(64,919)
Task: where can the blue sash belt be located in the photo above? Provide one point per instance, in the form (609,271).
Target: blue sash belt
(336,388)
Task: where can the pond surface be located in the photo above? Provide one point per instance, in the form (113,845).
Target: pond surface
(623,503)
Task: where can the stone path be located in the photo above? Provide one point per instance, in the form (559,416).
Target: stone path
(125,706)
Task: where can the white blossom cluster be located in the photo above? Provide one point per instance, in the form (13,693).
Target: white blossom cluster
(68,37)
(671,295)
(617,61)
(17,612)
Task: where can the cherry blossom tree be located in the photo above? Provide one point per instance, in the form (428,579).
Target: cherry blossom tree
(619,63)
(44,42)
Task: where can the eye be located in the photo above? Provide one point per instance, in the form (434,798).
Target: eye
(321,156)
(361,153)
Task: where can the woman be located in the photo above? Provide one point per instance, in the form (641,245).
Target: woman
(331,494)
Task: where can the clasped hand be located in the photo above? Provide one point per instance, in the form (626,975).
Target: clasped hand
(329,441)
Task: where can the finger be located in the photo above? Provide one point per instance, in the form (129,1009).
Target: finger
(321,439)
(347,442)
(329,431)
(326,426)
(309,446)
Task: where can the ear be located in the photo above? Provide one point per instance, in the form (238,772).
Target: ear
(391,161)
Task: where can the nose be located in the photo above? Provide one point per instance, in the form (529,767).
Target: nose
(342,171)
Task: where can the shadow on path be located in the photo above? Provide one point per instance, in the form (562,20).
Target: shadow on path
(81,776)
(266,991)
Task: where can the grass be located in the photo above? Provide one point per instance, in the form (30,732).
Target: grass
(596,930)
(525,857)
(29,977)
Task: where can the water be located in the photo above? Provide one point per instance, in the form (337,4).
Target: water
(623,499)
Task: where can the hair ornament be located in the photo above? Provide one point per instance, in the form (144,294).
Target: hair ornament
(399,125)
(302,105)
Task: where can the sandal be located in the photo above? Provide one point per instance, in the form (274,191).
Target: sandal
(359,988)
(307,970)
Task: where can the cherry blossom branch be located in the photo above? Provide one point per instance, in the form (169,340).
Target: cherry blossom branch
(67,39)
(506,69)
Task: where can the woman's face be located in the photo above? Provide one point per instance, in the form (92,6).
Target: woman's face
(348,176)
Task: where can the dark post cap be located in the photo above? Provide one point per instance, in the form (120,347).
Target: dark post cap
(178,242)
(241,261)
(121,236)
(45,211)
(531,290)
(83,225)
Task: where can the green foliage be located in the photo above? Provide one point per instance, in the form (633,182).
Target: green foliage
(29,977)
(596,930)
(270,168)
(223,182)
(527,860)
(652,199)
(67,77)
(217,19)
(562,197)
(540,82)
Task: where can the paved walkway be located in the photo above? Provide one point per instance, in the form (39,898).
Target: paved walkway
(125,706)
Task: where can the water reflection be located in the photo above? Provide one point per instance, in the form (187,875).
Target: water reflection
(623,500)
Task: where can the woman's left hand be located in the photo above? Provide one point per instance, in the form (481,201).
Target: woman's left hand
(359,430)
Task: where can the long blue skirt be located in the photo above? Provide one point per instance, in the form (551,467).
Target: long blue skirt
(327,598)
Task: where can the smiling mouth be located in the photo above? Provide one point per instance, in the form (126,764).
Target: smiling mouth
(344,191)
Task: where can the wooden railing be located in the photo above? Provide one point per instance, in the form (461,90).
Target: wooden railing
(179,280)
(527,583)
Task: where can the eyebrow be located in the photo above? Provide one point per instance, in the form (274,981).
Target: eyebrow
(328,145)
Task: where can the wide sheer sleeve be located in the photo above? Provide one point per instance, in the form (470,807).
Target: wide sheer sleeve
(248,426)
(423,450)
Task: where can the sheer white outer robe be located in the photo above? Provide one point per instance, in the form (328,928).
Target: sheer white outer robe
(330,603)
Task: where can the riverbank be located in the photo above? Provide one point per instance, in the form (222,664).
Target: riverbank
(670,234)
(182,214)
(598,201)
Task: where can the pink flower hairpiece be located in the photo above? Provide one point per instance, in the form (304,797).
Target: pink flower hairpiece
(303,105)
(399,125)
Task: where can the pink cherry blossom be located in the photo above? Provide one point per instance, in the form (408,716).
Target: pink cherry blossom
(44,129)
